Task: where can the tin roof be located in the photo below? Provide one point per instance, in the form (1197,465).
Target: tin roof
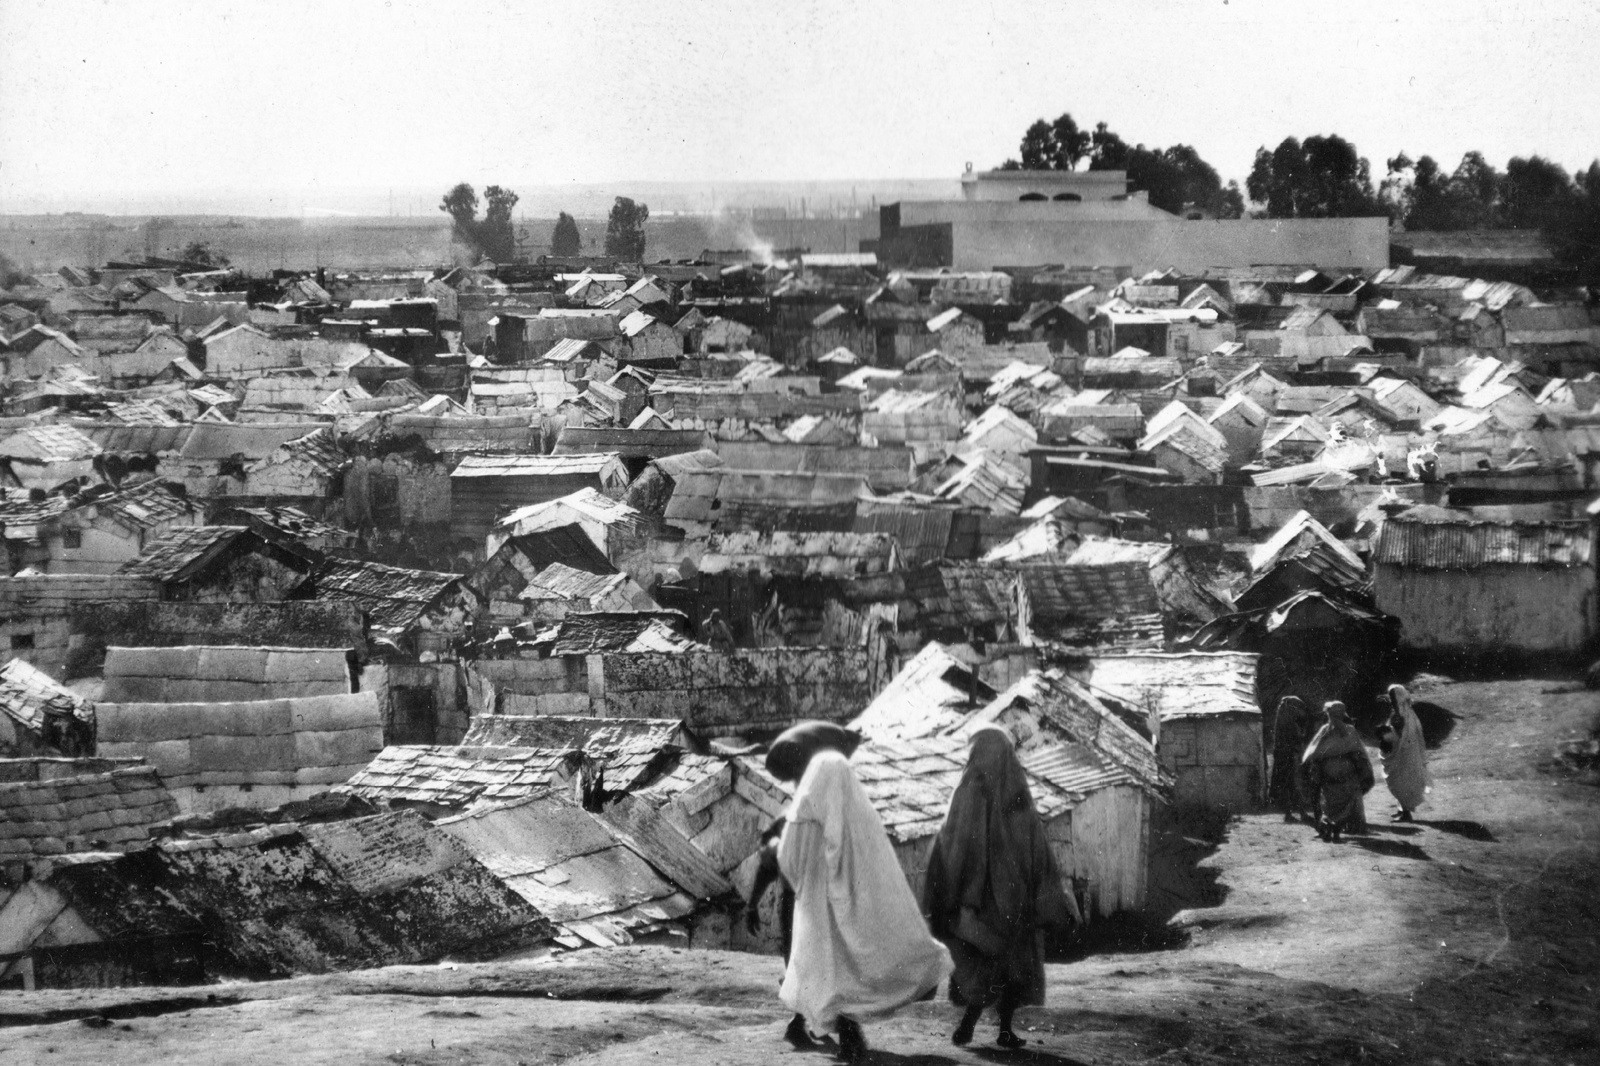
(1437,539)
(110,811)
(604,878)
(631,751)
(393,597)
(822,554)
(1068,712)
(533,465)
(179,552)
(461,776)
(1185,685)
(32,697)
(49,444)
(932,693)
(1057,591)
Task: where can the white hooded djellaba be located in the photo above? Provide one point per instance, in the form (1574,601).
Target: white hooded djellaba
(861,947)
(1405,766)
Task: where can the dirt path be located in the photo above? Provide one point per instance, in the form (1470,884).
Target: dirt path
(1469,937)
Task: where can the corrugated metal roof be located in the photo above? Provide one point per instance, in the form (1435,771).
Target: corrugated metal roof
(600,878)
(1062,592)
(1186,685)
(1435,539)
(166,557)
(533,465)
(460,776)
(1049,708)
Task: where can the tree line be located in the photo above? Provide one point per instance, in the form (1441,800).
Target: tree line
(1324,176)
(493,236)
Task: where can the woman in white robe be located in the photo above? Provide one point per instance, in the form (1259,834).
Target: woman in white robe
(861,946)
(1405,754)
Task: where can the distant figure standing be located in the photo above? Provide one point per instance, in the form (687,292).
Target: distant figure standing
(1405,754)
(993,888)
(861,948)
(1291,732)
(1339,772)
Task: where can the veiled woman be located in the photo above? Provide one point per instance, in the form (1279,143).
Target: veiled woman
(1405,754)
(1291,731)
(861,948)
(1339,772)
(787,760)
(993,888)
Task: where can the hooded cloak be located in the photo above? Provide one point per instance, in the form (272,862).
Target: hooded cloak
(861,947)
(993,885)
(1291,726)
(1405,765)
(1338,769)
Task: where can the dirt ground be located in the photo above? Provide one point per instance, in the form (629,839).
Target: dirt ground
(1472,936)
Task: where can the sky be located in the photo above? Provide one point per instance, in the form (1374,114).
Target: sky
(287,104)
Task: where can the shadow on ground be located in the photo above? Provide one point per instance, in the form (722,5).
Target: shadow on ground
(1180,842)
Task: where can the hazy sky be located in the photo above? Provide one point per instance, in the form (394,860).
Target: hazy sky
(103,101)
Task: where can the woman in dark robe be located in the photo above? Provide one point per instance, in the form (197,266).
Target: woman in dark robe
(1339,772)
(993,888)
(1291,731)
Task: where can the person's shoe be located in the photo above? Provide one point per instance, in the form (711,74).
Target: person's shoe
(1402,816)
(1010,1041)
(852,1042)
(797,1034)
(963,1034)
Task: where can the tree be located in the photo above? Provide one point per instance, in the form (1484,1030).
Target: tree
(461,204)
(1577,242)
(199,253)
(496,236)
(493,235)
(565,239)
(1321,177)
(11,275)
(1070,143)
(1536,194)
(1107,151)
(625,230)
(1038,146)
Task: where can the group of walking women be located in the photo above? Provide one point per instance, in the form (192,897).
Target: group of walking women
(860,945)
(1325,776)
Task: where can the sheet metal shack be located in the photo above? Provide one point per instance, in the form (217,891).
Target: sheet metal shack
(1462,584)
(1202,707)
(283,899)
(483,488)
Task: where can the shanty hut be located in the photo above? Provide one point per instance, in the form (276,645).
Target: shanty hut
(219,564)
(52,807)
(1065,735)
(257,753)
(606,877)
(483,488)
(1469,585)
(913,418)
(1203,712)
(383,890)
(933,693)
(41,717)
